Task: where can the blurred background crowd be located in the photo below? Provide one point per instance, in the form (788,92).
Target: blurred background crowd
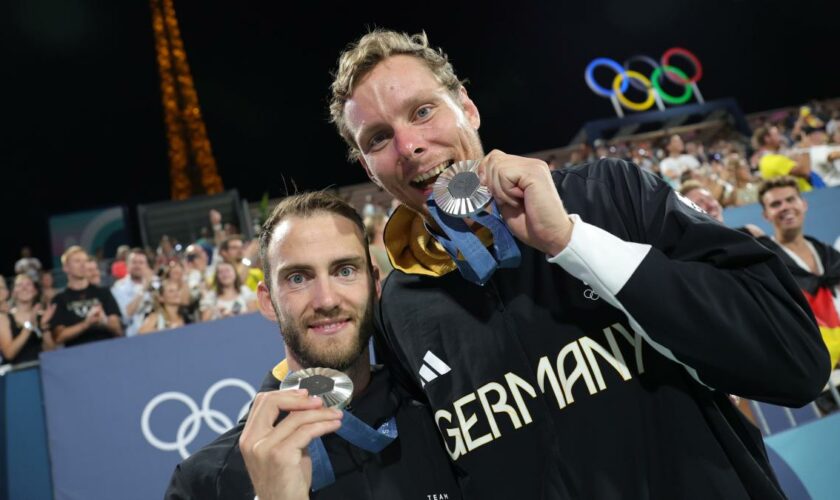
(144,290)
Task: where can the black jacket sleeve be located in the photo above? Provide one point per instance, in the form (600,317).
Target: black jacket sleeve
(178,489)
(708,297)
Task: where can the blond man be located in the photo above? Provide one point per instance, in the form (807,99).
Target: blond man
(83,312)
(569,376)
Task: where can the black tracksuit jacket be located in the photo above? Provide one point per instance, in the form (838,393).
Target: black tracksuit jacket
(606,376)
(413,467)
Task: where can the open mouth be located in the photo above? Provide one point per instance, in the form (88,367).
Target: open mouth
(427,179)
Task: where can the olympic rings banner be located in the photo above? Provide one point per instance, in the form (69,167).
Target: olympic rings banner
(651,85)
(122,413)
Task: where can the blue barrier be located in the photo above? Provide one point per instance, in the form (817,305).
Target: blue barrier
(189,384)
(821,222)
(25,464)
(122,413)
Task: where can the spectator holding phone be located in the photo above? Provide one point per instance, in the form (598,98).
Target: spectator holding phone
(169,311)
(228,297)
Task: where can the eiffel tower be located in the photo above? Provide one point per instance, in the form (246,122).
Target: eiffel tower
(192,167)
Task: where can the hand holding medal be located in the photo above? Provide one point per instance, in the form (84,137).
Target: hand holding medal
(335,390)
(333,387)
(528,200)
(457,194)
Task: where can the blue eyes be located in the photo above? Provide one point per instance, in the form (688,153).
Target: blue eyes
(295,279)
(377,139)
(344,272)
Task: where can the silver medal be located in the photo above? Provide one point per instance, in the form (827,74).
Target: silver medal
(332,386)
(457,191)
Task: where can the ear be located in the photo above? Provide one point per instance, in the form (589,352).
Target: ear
(264,302)
(368,171)
(764,214)
(470,109)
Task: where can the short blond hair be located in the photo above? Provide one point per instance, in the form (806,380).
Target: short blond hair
(70,251)
(361,57)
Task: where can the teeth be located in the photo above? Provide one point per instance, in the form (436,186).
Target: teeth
(431,173)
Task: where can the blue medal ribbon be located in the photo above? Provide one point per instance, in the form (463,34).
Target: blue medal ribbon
(478,263)
(355,432)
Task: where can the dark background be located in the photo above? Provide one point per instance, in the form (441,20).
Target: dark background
(82,125)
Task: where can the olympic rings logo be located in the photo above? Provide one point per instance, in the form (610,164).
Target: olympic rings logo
(652,87)
(191,425)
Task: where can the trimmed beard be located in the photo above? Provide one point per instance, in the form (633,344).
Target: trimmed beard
(330,356)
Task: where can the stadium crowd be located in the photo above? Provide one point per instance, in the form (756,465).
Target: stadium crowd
(140,291)
(804,143)
(147,290)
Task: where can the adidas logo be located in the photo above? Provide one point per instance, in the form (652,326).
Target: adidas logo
(431,368)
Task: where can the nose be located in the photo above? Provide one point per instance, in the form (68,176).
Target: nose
(409,142)
(324,298)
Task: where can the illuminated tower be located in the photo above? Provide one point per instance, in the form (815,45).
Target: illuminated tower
(192,168)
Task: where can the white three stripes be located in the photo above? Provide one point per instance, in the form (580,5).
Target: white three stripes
(433,364)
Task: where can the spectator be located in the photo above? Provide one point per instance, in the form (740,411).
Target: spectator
(83,312)
(166,251)
(374,231)
(641,156)
(825,159)
(772,163)
(601,149)
(25,331)
(834,136)
(119,268)
(27,264)
(228,296)
(196,264)
(582,152)
(697,193)
(815,265)
(169,311)
(219,233)
(696,150)
(677,162)
(232,250)
(132,292)
(746,191)
(48,290)
(196,267)
(174,271)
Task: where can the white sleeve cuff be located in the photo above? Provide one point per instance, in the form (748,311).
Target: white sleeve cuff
(599,258)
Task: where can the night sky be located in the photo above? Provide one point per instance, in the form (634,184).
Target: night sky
(83,127)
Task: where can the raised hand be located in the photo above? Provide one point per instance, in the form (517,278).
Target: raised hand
(275,455)
(527,200)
